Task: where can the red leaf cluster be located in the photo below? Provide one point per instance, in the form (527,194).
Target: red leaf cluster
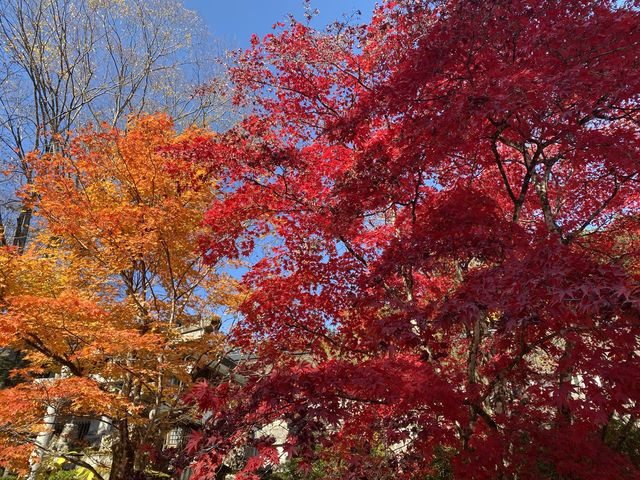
(445,207)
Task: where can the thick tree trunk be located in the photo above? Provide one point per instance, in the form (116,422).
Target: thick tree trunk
(123,454)
(22,229)
(565,379)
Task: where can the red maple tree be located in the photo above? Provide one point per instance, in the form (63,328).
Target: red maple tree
(446,205)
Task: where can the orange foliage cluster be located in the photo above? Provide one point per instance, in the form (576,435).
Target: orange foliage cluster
(98,301)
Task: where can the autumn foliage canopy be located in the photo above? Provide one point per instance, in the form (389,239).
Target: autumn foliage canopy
(440,210)
(445,206)
(98,302)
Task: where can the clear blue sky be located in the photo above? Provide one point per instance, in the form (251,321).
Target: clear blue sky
(234,21)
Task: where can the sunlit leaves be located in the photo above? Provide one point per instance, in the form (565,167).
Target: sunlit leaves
(102,296)
(452,197)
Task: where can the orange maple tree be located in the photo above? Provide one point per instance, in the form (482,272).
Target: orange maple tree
(101,300)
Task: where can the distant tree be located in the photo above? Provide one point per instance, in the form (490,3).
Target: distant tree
(452,191)
(64,63)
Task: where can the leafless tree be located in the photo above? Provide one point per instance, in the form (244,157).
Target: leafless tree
(64,63)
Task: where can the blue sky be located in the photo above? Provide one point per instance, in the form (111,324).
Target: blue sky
(234,21)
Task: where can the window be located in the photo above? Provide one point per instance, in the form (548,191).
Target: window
(174,438)
(83,428)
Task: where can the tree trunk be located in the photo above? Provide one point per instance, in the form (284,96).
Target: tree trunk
(123,454)
(22,229)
